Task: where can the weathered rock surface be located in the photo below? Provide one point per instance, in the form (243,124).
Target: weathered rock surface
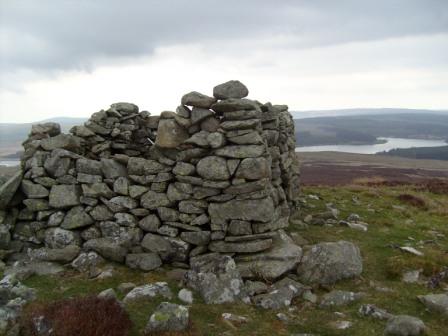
(230,89)
(148,292)
(170,134)
(197,99)
(9,188)
(144,261)
(213,168)
(168,317)
(216,278)
(107,248)
(281,258)
(404,325)
(64,196)
(252,210)
(435,302)
(327,263)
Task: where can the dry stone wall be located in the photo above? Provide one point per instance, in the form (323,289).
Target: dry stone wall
(220,174)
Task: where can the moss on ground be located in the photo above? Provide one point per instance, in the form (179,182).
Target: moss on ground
(392,222)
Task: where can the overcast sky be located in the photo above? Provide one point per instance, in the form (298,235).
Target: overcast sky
(75,57)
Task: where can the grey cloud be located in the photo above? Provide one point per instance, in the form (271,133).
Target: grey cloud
(60,34)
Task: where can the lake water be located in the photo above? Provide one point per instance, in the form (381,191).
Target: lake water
(391,143)
(9,163)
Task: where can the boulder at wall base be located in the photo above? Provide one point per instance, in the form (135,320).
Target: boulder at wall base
(65,255)
(143,261)
(8,189)
(241,247)
(216,278)
(107,248)
(271,264)
(327,263)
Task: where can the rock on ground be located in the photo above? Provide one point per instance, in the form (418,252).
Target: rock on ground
(168,317)
(147,292)
(327,263)
(435,302)
(339,298)
(404,325)
(216,278)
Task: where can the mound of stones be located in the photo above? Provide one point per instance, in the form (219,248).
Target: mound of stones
(219,175)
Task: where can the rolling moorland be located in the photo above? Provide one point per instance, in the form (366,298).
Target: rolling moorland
(365,129)
(439,153)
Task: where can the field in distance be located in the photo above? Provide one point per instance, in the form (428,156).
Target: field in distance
(335,168)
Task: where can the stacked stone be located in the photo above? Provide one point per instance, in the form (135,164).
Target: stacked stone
(121,129)
(217,179)
(279,133)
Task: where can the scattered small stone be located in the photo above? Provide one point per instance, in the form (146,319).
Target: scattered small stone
(435,302)
(108,294)
(411,276)
(234,318)
(147,292)
(309,296)
(282,317)
(341,325)
(185,295)
(370,310)
(411,250)
(339,298)
(168,317)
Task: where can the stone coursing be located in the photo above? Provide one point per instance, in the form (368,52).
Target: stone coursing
(218,175)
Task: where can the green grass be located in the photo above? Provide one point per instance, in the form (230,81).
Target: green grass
(389,225)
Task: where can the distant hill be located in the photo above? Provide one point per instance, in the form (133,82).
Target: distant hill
(427,153)
(362,111)
(365,129)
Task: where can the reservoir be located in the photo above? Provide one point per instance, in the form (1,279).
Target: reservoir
(391,143)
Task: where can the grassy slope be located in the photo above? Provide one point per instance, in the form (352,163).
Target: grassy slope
(383,265)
